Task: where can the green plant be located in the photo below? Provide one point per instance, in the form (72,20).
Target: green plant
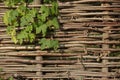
(1,69)
(25,24)
(10,78)
(115,54)
(1,74)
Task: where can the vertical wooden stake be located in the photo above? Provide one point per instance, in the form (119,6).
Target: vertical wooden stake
(36,2)
(39,66)
(39,58)
(105,46)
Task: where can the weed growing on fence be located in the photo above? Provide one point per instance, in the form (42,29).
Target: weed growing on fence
(25,24)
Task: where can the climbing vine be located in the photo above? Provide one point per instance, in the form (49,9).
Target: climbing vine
(25,24)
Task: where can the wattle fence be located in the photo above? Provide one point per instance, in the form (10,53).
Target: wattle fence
(89,49)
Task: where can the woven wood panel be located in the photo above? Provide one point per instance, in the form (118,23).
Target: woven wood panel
(89,38)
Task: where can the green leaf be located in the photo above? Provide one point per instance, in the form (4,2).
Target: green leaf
(43,9)
(14,13)
(10,17)
(54,8)
(15,23)
(48,44)
(13,36)
(43,43)
(42,29)
(54,44)
(6,18)
(45,12)
(29,18)
(26,20)
(31,37)
(55,23)
(43,17)
(12,3)
(20,41)
(42,40)
(9,3)
(17,1)
(33,12)
(13,16)
(23,21)
(10,78)
(1,79)
(28,1)
(49,23)
(22,36)
(29,28)
(22,9)
(1,69)
(46,1)
(9,29)
(38,30)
